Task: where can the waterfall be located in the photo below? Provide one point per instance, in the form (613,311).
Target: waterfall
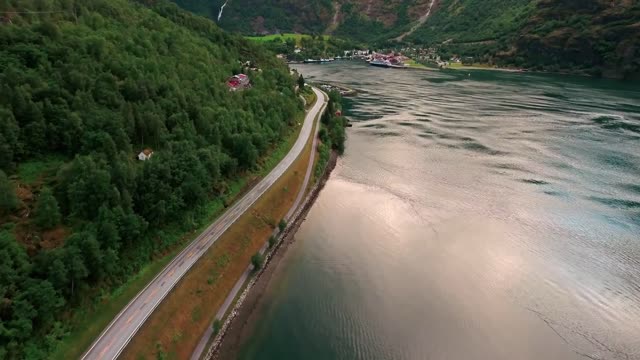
(221,9)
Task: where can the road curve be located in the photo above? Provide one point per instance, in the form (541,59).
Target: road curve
(204,339)
(117,335)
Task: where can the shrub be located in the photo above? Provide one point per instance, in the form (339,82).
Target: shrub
(217,325)
(272,241)
(256,260)
(282,225)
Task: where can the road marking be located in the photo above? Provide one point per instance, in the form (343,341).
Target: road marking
(132,316)
(105,349)
(152,293)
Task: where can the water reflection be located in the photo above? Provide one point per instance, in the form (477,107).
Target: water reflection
(491,216)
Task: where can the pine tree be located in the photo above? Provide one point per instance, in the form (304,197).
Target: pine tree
(301,82)
(8,199)
(47,211)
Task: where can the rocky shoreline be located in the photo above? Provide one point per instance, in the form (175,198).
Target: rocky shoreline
(243,315)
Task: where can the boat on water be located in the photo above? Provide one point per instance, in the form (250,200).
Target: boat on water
(380,63)
(392,63)
(318,61)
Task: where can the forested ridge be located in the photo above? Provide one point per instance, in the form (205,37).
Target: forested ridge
(595,37)
(362,20)
(85,86)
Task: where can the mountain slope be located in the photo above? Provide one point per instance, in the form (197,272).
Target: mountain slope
(86,85)
(316,16)
(598,37)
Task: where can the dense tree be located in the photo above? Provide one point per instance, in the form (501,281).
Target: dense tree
(301,82)
(9,144)
(8,197)
(86,86)
(47,211)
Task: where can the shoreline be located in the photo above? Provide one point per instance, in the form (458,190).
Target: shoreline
(243,315)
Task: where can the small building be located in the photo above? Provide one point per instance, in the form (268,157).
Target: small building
(239,81)
(145,154)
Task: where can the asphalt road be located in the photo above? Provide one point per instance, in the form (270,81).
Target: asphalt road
(204,340)
(117,335)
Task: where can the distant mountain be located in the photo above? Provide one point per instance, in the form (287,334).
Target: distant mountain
(599,37)
(360,19)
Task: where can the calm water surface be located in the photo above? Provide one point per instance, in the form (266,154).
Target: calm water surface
(474,216)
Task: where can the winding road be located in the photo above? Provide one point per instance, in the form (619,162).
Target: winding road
(206,337)
(121,330)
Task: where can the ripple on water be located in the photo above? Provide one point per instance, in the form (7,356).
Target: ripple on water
(482,149)
(534,181)
(510,166)
(410,124)
(567,192)
(616,203)
(374,126)
(615,122)
(618,160)
(631,188)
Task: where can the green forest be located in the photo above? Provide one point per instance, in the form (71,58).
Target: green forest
(593,37)
(257,16)
(332,132)
(86,86)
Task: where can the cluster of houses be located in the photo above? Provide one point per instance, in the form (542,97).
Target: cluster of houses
(357,54)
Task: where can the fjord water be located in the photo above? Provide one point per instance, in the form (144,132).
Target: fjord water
(480,215)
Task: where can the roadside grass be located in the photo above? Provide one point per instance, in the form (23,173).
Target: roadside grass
(309,96)
(283,37)
(414,64)
(205,287)
(91,319)
(460,66)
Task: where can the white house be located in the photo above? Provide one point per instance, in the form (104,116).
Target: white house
(145,154)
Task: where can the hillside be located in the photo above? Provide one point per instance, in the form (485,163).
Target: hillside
(357,19)
(87,85)
(597,37)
